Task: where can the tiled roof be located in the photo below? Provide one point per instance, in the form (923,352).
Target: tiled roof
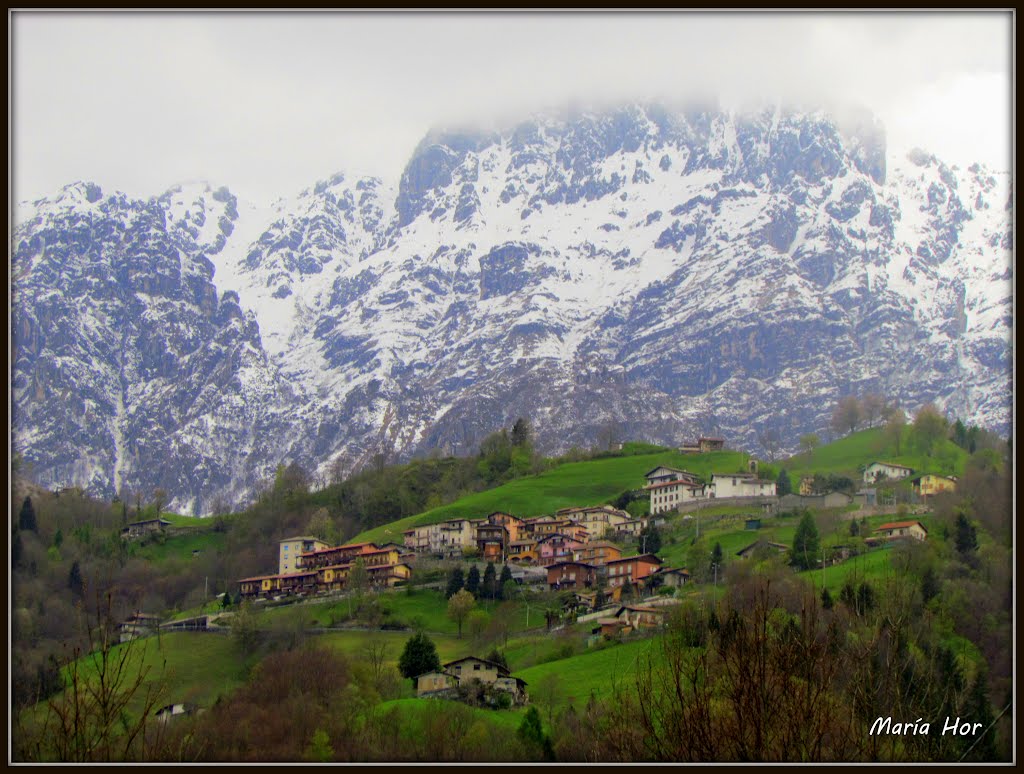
(901,524)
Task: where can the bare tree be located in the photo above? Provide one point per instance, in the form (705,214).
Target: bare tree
(769,440)
(110,697)
(847,415)
(873,405)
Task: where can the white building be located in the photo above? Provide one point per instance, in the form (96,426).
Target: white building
(670,495)
(877,471)
(740,485)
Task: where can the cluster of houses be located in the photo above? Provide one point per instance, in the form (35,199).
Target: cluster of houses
(307,565)
(501,537)
(671,487)
(924,486)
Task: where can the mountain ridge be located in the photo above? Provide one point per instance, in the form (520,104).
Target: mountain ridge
(638,271)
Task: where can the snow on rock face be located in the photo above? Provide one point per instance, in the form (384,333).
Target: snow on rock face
(641,272)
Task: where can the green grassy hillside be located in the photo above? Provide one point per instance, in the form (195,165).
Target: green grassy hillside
(846,456)
(575,483)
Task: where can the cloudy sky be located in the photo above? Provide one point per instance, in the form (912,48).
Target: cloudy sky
(270,103)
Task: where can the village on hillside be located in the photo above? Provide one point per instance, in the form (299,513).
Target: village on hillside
(586,550)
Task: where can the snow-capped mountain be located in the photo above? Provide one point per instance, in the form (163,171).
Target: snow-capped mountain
(650,272)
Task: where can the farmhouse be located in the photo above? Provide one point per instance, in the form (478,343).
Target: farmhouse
(139,625)
(165,714)
(630,618)
(930,484)
(672,577)
(878,471)
(703,445)
(761,546)
(462,672)
(140,529)
(903,529)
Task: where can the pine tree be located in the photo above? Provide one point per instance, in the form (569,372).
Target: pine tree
(490,581)
(503,581)
(27,516)
(826,599)
(966,539)
(497,657)
(473,581)
(929,585)
(418,656)
(805,543)
(783,486)
(75,581)
(455,582)
(716,554)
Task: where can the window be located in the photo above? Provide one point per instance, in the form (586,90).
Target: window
(476,667)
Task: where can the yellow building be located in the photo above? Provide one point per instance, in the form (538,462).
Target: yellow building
(930,484)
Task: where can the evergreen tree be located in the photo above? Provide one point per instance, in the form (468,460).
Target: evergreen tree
(27,516)
(865,598)
(473,581)
(960,434)
(966,539)
(805,543)
(58,538)
(854,528)
(506,578)
(716,554)
(418,656)
(826,599)
(75,581)
(848,596)
(455,582)
(929,585)
(531,732)
(497,657)
(783,486)
(490,581)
